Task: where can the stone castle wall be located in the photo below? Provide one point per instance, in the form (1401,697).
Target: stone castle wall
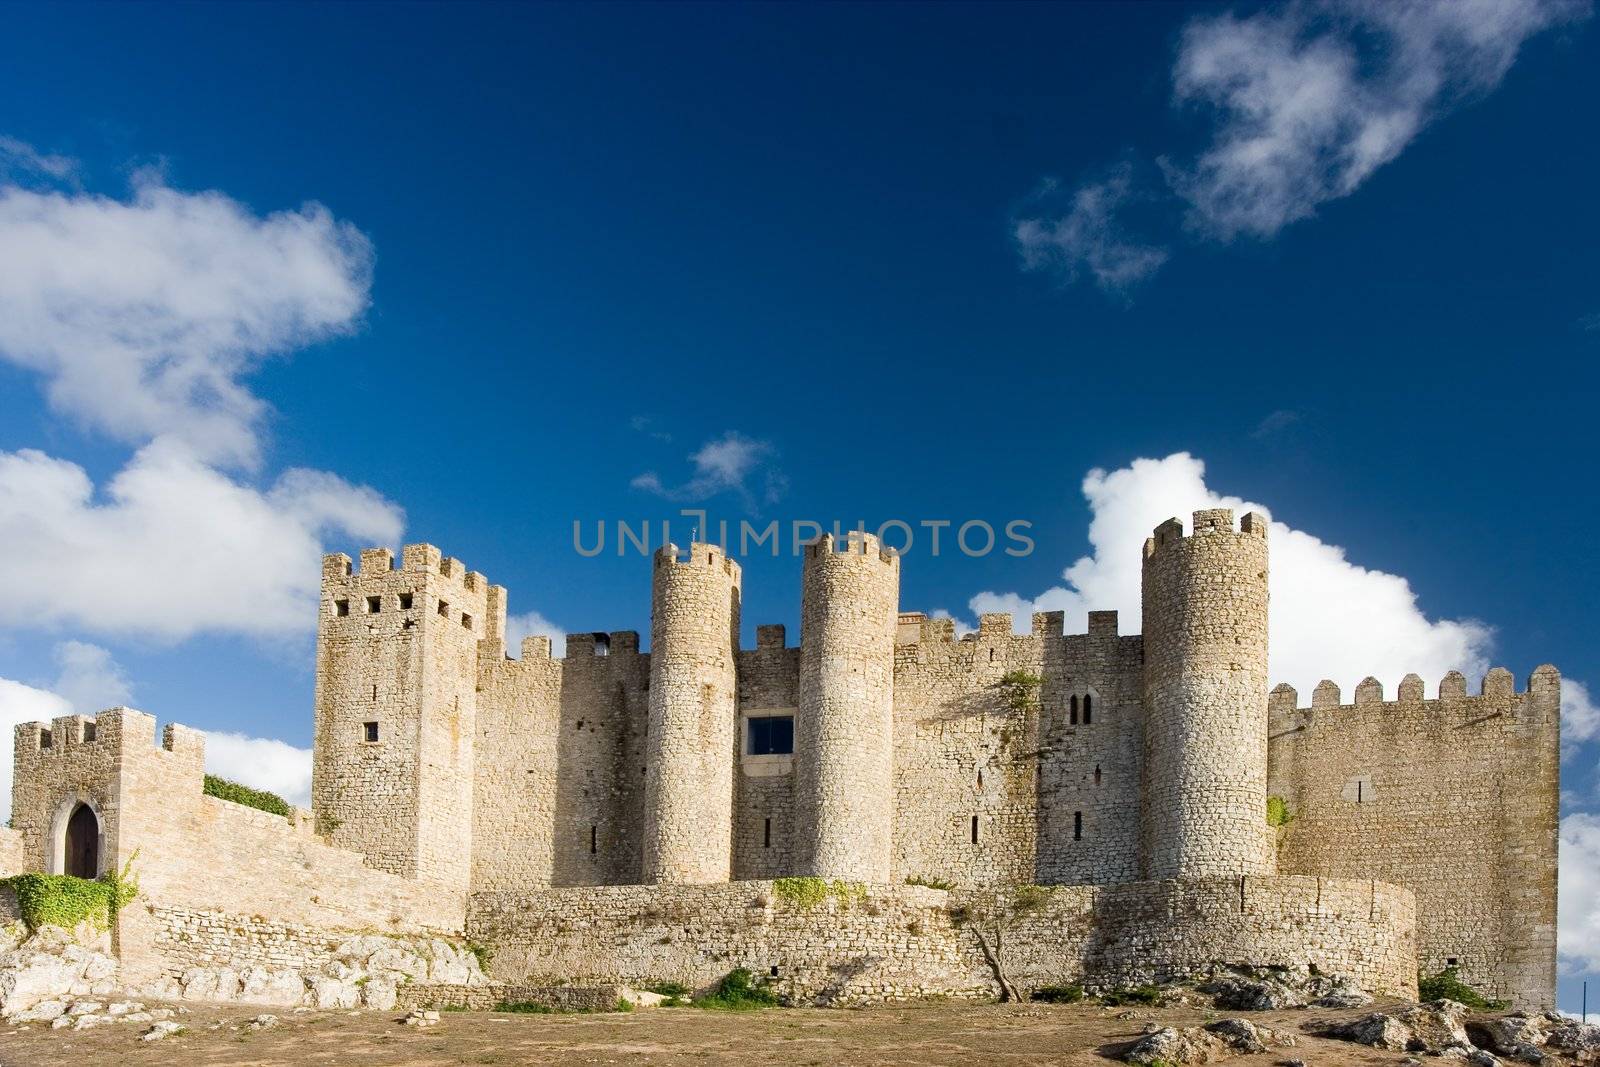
(190,851)
(13,852)
(1456,798)
(865,944)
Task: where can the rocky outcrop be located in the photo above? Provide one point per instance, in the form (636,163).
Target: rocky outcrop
(1204,1044)
(1276,988)
(1536,1038)
(1434,1027)
(40,972)
(363,971)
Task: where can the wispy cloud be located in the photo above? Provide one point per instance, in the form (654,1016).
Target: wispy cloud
(1308,101)
(1275,423)
(1086,238)
(20,161)
(1303,103)
(732,463)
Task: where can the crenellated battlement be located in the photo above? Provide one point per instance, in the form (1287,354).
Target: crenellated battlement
(1497,685)
(701,554)
(115,732)
(852,543)
(1208,523)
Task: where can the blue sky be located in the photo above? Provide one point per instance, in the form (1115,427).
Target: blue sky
(887,262)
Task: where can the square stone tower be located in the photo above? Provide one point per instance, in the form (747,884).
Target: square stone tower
(396,707)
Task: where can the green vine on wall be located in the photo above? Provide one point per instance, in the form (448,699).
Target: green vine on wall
(809,892)
(65,901)
(1021,690)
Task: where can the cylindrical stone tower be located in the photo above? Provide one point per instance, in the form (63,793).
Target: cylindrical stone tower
(844,726)
(690,750)
(1205,699)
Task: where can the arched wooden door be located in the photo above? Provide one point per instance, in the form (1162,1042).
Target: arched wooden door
(83,843)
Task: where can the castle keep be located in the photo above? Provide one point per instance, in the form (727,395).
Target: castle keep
(640,816)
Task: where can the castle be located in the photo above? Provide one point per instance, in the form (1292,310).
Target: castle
(644,816)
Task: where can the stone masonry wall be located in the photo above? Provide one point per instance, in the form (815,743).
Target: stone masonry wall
(560,764)
(844,728)
(1455,798)
(13,852)
(1205,643)
(865,944)
(1053,784)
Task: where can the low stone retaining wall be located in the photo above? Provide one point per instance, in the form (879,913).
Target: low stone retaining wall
(868,944)
(486,997)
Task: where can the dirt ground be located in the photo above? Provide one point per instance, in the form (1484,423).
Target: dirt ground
(791,1037)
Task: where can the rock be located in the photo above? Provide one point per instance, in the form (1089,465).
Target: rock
(1518,1036)
(1376,1030)
(261,985)
(379,993)
(49,965)
(161,1031)
(84,1022)
(329,993)
(262,1022)
(138,1017)
(42,1012)
(1436,1026)
(65,1020)
(1208,1044)
(123,1007)
(642,998)
(85,1007)
(422,1019)
(1235,993)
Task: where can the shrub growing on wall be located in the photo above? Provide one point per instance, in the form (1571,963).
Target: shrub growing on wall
(223,789)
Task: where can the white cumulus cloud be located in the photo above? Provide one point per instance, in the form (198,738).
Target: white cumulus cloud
(143,313)
(261,763)
(533,624)
(170,546)
(1578,922)
(19,704)
(90,680)
(1331,618)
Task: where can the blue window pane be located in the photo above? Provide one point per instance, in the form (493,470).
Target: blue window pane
(772,735)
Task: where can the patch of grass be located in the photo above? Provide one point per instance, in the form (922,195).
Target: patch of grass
(524,1007)
(483,953)
(677,993)
(1447,985)
(1134,994)
(622,1004)
(235,793)
(930,883)
(1057,994)
(738,991)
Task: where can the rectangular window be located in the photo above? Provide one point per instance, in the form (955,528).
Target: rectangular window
(370,731)
(444,609)
(974,829)
(594,839)
(374,604)
(466,620)
(1077,826)
(766,834)
(405,601)
(341,607)
(771,735)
